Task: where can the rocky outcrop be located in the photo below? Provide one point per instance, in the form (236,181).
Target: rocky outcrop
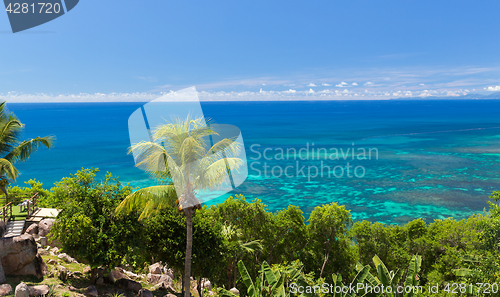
(145,293)
(5,290)
(19,256)
(235,291)
(2,228)
(128,284)
(66,258)
(39,290)
(91,291)
(32,229)
(44,227)
(22,290)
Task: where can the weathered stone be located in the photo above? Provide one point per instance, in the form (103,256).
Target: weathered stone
(156,268)
(206,284)
(22,290)
(91,291)
(114,275)
(72,289)
(145,293)
(52,262)
(235,291)
(32,229)
(99,281)
(44,227)
(5,290)
(62,273)
(39,290)
(170,295)
(66,258)
(169,272)
(2,273)
(153,278)
(18,256)
(55,250)
(128,284)
(43,252)
(87,270)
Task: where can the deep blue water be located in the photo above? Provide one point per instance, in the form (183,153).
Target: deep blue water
(435,158)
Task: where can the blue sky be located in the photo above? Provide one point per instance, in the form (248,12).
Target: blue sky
(255,49)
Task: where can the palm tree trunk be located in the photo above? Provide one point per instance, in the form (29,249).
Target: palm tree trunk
(189,248)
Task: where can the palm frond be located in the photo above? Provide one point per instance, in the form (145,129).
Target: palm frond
(7,169)
(24,150)
(149,199)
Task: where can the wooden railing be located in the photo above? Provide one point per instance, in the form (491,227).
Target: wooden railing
(32,204)
(6,212)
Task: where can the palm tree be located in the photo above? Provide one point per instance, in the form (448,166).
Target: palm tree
(14,150)
(180,157)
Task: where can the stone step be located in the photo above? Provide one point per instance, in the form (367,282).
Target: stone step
(14,228)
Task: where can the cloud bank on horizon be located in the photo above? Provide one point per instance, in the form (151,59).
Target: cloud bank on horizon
(371,84)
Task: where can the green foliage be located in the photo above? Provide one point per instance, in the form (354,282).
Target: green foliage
(12,149)
(271,281)
(330,240)
(165,240)
(87,227)
(34,187)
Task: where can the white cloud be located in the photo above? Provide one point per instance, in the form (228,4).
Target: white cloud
(311,85)
(493,88)
(290,91)
(326,85)
(311,91)
(368,83)
(354,83)
(422,85)
(342,84)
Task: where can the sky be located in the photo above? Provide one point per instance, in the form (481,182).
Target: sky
(255,50)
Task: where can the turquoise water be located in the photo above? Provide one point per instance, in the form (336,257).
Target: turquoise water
(430,159)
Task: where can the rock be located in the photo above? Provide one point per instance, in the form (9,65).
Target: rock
(206,284)
(156,268)
(169,272)
(145,293)
(2,274)
(72,289)
(87,270)
(55,250)
(5,290)
(66,258)
(44,227)
(43,241)
(62,273)
(114,275)
(32,229)
(130,274)
(39,290)
(235,291)
(153,278)
(91,291)
(170,295)
(22,290)
(99,281)
(52,262)
(19,256)
(43,252)
(128,284)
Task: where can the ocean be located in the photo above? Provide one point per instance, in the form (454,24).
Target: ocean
(388,161)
